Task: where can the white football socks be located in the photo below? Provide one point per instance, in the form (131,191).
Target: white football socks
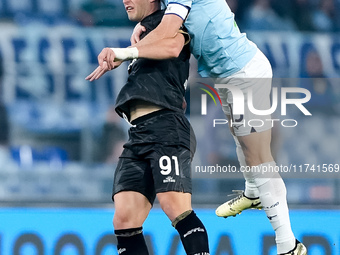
(273,193)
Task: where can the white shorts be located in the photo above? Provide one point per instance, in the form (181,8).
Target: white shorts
(254,82)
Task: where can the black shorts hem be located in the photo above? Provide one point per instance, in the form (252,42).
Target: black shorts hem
(173,190)
(149,198)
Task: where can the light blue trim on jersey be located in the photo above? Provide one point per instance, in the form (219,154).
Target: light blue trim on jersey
(216,42)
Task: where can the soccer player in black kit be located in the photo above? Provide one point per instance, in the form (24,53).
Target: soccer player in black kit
(156,160)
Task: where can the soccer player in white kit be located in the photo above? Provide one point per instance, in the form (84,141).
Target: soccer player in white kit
(225,54)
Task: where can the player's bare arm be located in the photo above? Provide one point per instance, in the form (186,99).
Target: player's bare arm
(111,58)
(163,49)
(168,28)
(168,48)
(162,43)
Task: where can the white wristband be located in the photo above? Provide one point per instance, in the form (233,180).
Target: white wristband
(123,54)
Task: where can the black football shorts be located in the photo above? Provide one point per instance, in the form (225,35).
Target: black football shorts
(157,158)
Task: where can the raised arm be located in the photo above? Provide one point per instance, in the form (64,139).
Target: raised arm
(168,48)
(168,28)
(161,43)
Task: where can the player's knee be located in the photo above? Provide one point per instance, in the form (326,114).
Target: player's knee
(166,203)
(119,220)
(124,219)
(169,208)
(173,206)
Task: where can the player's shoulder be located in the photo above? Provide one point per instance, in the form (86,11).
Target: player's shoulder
(181,2)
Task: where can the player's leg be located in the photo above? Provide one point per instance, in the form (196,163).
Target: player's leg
(256,153)
(177,206)
(175,200)
(251,193)
(272,195)
(171,165)
(131,210)
(247,199)
(252,144)
(133,195)
(271,188)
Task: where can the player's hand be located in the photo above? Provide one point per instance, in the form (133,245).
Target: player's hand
(137,31)
(107,55)
(98,72)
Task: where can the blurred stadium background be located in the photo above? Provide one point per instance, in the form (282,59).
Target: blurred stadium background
(60,137)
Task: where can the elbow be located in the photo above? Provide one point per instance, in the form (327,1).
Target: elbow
(175,49)
(174,53)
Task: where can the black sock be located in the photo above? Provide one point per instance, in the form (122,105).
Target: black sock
(193,235)
(131,242)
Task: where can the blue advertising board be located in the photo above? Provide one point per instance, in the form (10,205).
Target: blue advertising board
(89,232)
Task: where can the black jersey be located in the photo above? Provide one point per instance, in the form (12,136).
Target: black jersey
(161,82)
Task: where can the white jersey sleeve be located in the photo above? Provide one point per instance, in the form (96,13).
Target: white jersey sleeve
(180,8)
